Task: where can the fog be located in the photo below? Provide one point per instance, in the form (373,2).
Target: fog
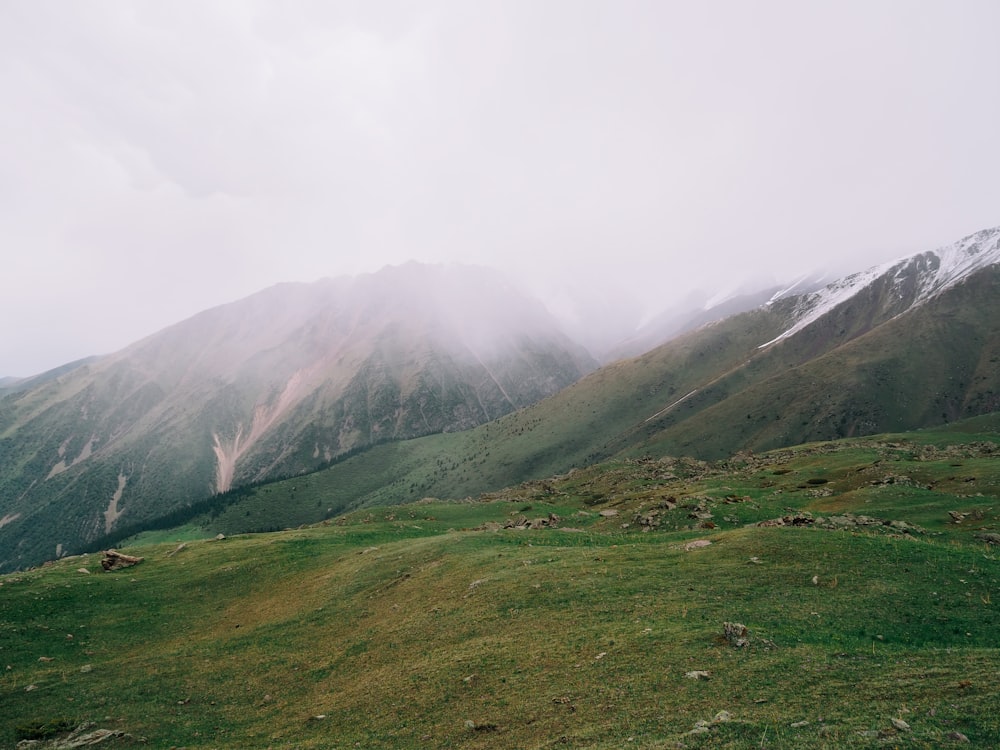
(161,158)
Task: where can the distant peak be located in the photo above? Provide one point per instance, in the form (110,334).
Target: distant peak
(928,274)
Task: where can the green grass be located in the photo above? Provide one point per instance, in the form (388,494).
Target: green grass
(185,533)
(409,626)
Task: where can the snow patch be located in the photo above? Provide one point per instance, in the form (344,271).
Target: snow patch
(818,304)
(954,263)
(663,411)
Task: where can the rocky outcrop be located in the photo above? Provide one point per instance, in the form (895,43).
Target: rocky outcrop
(114,560)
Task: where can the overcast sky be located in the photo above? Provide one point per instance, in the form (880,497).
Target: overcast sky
(158,158)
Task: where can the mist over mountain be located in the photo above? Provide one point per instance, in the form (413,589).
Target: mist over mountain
(275,384)
(298,375)
(911,344)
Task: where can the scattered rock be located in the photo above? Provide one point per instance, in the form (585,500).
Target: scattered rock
(957,516)
(317,717)
(30,688)
(46,658)
(219,537)
(844,522)
(957,737)
(473,726)
(799,724)
(799,519)
(702,727)
(610,513)
(755,560)
(697,544)
(177,549)
(521,523)
(901,725)
(647,521)
(83,736)
(83,570)
(736,634)
(988,537)
(698,674)
(87,668)
(114,560)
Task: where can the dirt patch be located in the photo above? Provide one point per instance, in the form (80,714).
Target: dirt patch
(112,514)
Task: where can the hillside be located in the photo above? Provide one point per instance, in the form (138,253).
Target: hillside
(891,349)
(274,385)
(870,608)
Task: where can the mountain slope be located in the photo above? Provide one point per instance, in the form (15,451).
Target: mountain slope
(900,351)
(275,384)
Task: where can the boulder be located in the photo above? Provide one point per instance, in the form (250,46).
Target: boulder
(114,560)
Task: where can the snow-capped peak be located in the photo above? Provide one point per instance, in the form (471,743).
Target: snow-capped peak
(936,271)
(957,261)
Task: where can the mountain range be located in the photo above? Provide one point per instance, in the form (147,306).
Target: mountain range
(276,384)
(446,381)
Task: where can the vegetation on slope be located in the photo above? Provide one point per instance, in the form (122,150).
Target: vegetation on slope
(432,625)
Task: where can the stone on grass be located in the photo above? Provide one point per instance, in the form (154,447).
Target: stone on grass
(697,544)
(737,634)
(115,560)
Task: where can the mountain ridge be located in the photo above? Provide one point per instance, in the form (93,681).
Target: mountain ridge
(903,345)
(278,383)
(874,362)
(917,278)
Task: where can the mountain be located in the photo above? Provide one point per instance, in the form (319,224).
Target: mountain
(276,384)
(252,393)
(911,344)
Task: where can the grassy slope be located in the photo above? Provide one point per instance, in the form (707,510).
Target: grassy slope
(404,627)
(937,364)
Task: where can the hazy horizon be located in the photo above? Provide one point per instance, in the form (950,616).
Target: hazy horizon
(161,159)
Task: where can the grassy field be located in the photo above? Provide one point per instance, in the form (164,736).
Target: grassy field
(430,625)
